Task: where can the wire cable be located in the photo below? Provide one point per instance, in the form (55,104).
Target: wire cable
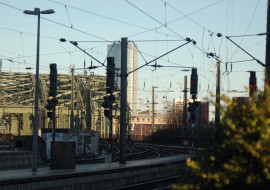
(60,24)
(154,19)
(32,34)
(187,15)
(71,26)
(248,25)
(22,45)
(159,57)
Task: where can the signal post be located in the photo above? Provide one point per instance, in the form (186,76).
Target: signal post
(52,100)
(193,107)
(109,98)
(252,84)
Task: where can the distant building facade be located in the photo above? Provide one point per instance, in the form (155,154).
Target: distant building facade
(141,125)
(178,105)
(240,100)
(114,50)
(204,114)
(201,116)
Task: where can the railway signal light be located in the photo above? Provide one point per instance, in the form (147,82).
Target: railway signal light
(108,101)
(192,109)
(252,83)
(194,83)
(192,117)
(110,75)
(53,80)
(108,113)
(50,114)
(51,103)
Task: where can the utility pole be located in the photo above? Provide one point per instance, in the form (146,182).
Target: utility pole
(217,106)
(72,99)
(253,85)
(52,100)
(77,110)
(185,105)
(153,108)
(267,55)
(88,105)
(123,109)
(110,98)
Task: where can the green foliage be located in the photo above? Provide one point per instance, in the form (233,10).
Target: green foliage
(240,157)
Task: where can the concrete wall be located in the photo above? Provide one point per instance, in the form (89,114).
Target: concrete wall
(16,159)
(102,179)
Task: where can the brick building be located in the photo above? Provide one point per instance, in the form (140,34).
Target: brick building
(141,125)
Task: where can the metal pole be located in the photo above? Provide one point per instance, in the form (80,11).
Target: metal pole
(36,119)
(141,132)
(217,107)
(267,55)
(185,105)
(77,110)
(110,135)
(72,99)
(153,108)
(88,106)
(123,110)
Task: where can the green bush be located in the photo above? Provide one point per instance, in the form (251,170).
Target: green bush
(240,157)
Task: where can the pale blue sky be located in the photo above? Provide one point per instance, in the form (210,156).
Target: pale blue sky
(109,20)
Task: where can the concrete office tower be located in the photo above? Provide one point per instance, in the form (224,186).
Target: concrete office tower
(132,59)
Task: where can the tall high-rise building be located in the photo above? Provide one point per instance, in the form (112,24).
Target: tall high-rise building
(114,50)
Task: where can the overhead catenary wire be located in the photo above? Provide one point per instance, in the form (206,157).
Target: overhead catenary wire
(152,56)
(22,32)
(165,13)
(160,56)
(10,6)
(22,46)
(259,34)
(155,19)
(177,19)
(71,25)
(210,32)
(19,56)
(75,29)
(58,23)
(187,15)
(204,28)
(66,26)
(99,15)
(243,36)
(13,7)
(76,45)
(240,61)
(257,60)
(83,50)
(165,23)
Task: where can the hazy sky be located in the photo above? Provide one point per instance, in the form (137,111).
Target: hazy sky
(156,26)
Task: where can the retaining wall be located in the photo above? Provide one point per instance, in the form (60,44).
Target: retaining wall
(16,159)
(106,176)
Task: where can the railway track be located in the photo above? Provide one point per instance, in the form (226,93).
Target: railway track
(139,151)
(159,184)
